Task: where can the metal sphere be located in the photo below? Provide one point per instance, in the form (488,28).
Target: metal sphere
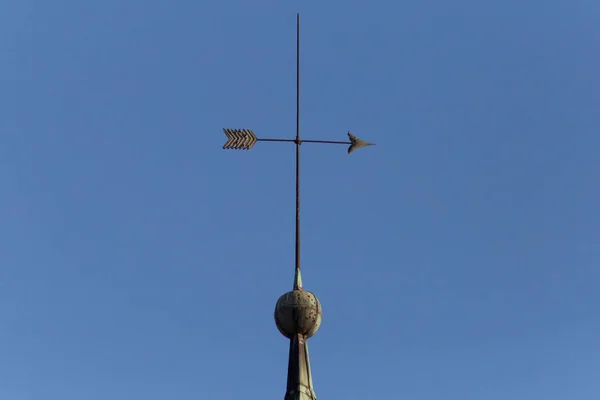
(298,312)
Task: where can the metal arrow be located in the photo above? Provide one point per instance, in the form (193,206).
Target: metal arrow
(244,139)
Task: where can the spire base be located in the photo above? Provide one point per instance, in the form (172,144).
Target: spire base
(299,382)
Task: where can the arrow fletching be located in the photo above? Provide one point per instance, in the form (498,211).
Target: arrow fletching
(239,139)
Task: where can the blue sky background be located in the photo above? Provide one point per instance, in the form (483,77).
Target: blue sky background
(459,258)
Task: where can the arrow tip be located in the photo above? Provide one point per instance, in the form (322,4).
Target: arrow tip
(356,143)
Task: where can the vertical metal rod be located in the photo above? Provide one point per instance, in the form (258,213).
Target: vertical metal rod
(298,142)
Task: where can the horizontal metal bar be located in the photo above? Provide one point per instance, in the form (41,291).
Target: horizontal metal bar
(325,141)
(303,141)
(277,140)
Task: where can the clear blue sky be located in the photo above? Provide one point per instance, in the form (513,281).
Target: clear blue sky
(458,259)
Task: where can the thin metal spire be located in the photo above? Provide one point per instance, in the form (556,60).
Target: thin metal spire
(297,279)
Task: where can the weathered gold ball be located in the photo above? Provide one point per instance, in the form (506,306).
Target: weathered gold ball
(298,312)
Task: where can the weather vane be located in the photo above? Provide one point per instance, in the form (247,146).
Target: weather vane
(245,139)
(297,313)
